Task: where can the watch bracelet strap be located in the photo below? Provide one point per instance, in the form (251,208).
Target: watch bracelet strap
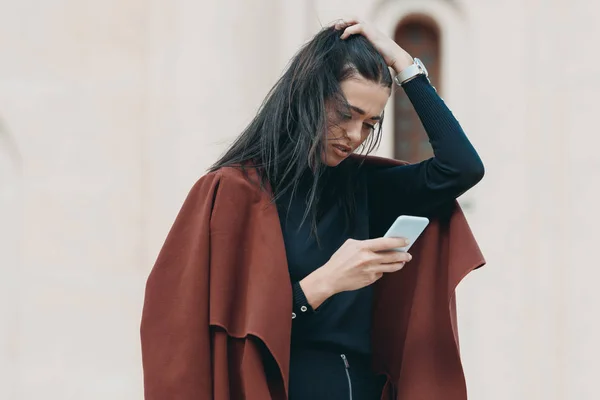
(300,300)
(409,73)
(404,82)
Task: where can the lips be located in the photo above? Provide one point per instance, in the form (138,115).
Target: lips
(343,148)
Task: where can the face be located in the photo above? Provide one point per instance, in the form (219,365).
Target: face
(348,130)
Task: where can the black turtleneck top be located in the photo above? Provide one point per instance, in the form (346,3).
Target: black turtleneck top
(343,321)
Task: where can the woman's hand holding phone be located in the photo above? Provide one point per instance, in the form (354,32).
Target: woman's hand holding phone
(356,264)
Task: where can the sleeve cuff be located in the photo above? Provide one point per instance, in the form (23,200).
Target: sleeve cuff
(300,305)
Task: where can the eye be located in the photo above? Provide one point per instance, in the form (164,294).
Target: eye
(369,126)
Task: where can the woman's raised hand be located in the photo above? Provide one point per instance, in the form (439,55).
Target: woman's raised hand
(394,55)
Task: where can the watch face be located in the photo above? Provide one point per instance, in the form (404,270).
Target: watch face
(422,66)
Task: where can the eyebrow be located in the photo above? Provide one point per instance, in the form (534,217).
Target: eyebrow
(362,112)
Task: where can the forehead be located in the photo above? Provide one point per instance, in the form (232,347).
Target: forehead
(369,96)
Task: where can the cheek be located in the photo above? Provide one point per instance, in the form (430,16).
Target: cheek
(365,135)
(335,131)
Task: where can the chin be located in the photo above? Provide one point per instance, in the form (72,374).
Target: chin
(332,160)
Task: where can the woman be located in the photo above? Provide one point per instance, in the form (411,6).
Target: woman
(330,203)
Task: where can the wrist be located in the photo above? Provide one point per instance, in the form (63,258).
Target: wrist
(401,62)
(316,288)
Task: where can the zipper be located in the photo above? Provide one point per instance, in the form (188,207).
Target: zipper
(347,365)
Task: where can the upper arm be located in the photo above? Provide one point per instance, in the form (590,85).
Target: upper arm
(421,189)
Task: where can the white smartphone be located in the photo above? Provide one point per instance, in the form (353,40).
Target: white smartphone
(409,227)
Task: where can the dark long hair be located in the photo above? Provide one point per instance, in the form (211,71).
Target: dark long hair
(285,139)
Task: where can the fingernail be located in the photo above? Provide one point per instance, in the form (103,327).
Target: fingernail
(409,256)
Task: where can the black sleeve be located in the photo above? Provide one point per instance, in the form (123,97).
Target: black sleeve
(300,304)
(421,189)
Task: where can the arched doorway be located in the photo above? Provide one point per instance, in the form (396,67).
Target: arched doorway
(420,37)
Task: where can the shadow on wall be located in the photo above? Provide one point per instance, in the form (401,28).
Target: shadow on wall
(8,148)
(11,228)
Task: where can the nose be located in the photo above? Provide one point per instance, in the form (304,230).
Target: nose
(354,133)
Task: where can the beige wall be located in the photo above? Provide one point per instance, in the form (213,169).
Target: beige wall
(110,110)
(72,87)
(10,241)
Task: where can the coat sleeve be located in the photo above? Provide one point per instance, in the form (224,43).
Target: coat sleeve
(175,333)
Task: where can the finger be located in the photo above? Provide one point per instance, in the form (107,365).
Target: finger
(383,244)
(345,22)
(375,276)
(388,268)
(352,30)
(389,257)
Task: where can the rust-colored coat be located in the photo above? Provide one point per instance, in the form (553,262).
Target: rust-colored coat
(217,320)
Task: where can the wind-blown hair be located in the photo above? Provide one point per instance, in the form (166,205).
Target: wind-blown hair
(286,137)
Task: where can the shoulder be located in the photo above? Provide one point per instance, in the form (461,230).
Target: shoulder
(233,183)
(376,161)
(235,200)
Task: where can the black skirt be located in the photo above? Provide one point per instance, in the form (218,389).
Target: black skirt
(317,374)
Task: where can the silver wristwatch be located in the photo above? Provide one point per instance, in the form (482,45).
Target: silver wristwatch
(410,72)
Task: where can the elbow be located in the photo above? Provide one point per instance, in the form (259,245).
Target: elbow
(478,170)
(473,173)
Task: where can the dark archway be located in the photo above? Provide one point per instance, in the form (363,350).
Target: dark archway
(420,36)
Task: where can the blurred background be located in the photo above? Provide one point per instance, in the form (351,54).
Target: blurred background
(111,110)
